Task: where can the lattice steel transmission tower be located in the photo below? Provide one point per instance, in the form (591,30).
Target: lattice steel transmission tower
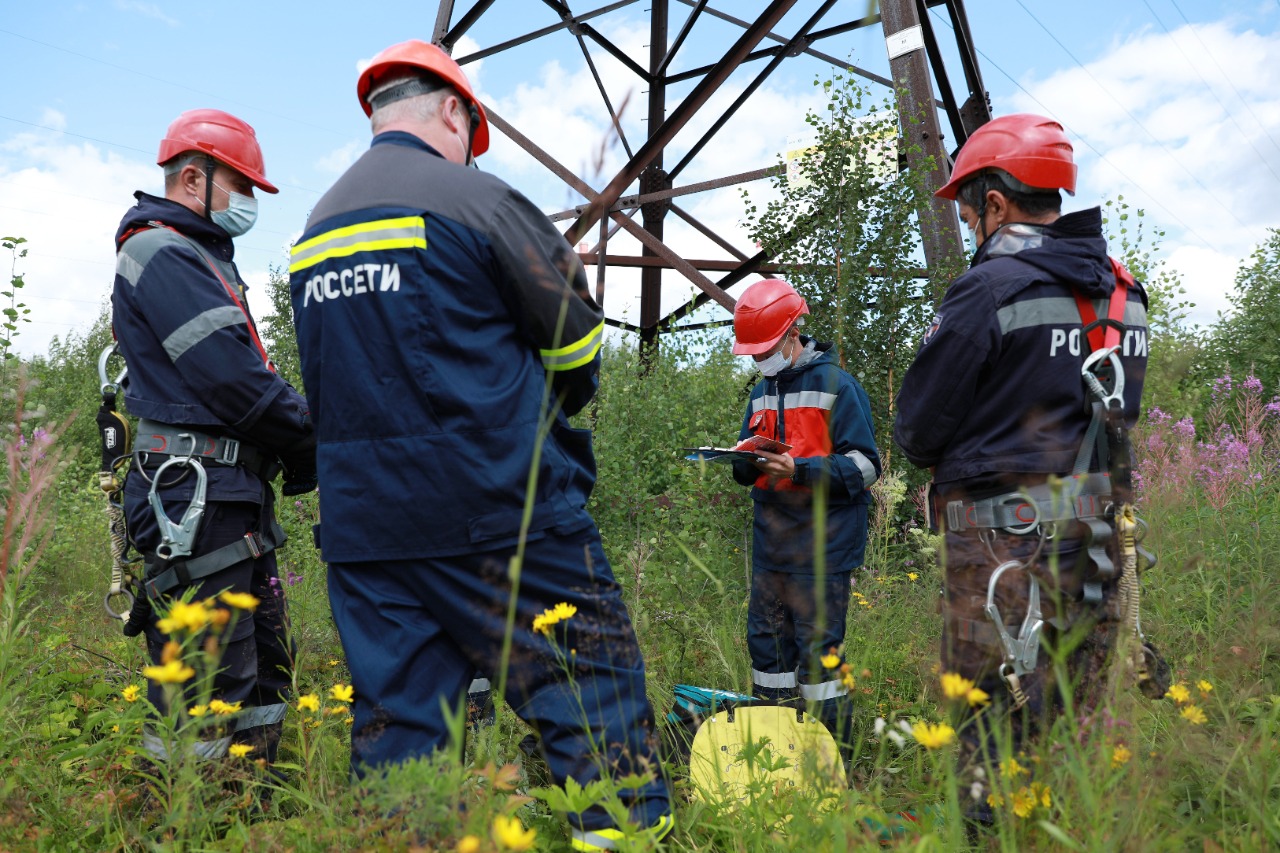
(916,62)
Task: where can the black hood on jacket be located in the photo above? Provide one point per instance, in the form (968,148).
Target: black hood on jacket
(1071,249)
(152,208)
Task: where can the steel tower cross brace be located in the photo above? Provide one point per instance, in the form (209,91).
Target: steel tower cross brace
(916,62)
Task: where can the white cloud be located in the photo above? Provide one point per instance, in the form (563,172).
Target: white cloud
(66,199)
(336,161)
(1160,124)
(147,10)
(51,118)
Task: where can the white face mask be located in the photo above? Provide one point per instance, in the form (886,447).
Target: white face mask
(774,364)
(241,213)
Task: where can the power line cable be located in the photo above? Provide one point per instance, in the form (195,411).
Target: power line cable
(1225,111)
(1132,117)
(1223,72)
(1087,143)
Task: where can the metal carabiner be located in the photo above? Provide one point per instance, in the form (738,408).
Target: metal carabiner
(106,383)
(1087,372)
(177,540)
(1028,643)
(1021,654)
(993,612)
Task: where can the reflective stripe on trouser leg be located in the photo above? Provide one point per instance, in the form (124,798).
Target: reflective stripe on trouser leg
(774,680)
(608,839)
(823,691)
(206,749)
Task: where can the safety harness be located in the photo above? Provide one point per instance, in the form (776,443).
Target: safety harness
(184,451)
(114,442)
(1101,500)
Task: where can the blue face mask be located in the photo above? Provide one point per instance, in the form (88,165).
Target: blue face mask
(241,213)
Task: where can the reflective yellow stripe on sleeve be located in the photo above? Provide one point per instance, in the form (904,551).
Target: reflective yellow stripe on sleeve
(405,232)
(575,354)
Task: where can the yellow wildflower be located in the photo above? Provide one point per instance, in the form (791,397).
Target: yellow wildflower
(995,800)
(932,736)
(198,710)
(1024,802)
(1120,756)
(186,616)
(239,600)
(337,710)
(977,697)
(219,618)
(1042,791)
(333,662)
(831,661)
(115,729)
(174,672)
(1179,693)
(955,686)
(467,844)
(342,693)
(221,708)
(1194,715)
(913,577)
(171,651)
(240,750)
(545,621)
(509,833)
(309,702)
(1205,688)
(1011,769)
(130,693)
(849,681)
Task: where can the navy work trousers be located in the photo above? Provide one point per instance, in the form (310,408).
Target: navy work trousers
(415,632)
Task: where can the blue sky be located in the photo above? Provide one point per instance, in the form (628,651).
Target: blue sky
(1174,105)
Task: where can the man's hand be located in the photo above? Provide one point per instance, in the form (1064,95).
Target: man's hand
(776,466)
(299,472)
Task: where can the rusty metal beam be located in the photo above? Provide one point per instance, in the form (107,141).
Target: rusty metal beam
(918,120)
(642,261)
(707,232)
(677,263)
(751,87)
(443,15)
(660,136)
(684,33)
(537,34)
(627,202)
(449,39)
(839,63)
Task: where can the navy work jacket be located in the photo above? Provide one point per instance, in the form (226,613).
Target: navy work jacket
(442,323)
(995,393)
(183,326)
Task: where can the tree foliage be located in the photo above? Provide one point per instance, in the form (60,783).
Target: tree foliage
(847,230)
(1247,340)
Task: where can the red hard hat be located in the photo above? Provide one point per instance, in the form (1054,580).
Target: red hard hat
(220,135)
(763,315)
(427,57)
(1033,149)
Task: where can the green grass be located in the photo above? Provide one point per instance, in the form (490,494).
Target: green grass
(676,534)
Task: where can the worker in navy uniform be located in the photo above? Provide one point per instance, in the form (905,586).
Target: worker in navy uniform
(995,404)
(213,414)
(446,334)
(805,400)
